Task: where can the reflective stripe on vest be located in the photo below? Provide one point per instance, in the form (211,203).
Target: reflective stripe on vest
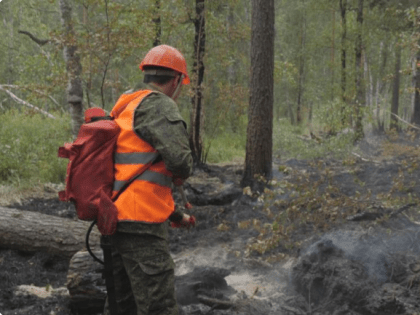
(135,157)
(149,176)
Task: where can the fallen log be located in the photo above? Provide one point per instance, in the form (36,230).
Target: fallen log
(32,231)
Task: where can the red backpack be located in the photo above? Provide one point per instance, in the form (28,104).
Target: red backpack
(90,171)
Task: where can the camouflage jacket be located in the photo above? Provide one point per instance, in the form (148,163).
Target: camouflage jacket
(158,121)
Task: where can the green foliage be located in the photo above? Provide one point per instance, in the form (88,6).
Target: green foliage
(226,147)
(113,36)
(28,144)
(291,141)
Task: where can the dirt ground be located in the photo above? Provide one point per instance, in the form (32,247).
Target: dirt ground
(345,242)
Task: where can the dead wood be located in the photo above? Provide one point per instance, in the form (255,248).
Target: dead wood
(33,231)
(85,284)
(20,101)
(87,289)
(371,216)
(216,303)
(12,86)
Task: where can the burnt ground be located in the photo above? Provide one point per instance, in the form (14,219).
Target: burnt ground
(344,239)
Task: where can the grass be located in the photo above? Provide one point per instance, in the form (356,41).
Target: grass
(226,147)
(291,141)
(28,148)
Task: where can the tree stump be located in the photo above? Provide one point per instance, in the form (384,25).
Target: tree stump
(85,284)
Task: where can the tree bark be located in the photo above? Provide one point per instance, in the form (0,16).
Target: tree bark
(158,24)
(32,231)
(396,88)
(332,54)
(381,86)
(289,105)
(360,88)
(11,53)
(259,146)
(343,11)
(301,79)
(197,114)
(74,68)
(416,85)
(369,81)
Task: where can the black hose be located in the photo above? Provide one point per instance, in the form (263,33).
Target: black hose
(87,243)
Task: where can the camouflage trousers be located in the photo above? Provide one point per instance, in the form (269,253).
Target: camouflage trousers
(144,277)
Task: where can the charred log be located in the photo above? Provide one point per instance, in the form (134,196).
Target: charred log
(85,284)
(224,197)
(205,285)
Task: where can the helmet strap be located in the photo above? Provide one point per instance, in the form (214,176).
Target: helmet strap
(181,78)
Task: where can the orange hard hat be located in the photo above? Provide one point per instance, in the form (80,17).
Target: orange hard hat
(167,57)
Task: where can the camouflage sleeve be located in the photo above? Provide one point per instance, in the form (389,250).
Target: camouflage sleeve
(158,121)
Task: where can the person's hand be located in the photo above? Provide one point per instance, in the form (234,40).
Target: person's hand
(186,222)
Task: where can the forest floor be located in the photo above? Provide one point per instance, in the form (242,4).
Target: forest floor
(329,236)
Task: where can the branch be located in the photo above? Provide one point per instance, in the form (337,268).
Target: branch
(37,91)
(17,99)
(40,42)
(216,303)
(399,118)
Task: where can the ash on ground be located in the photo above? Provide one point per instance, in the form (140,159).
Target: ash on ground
(366,264)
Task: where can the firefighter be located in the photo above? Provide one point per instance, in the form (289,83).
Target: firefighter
(153,138)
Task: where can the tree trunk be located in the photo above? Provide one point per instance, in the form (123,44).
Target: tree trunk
(158,24)
(289,105)
(368,78)
(259,144)
(396,88)
(343,10)
(74,69)
(197,114)
(301,79)
(332,54)
(360,88)
(416,84)
(11,53)
(381,86)
(32,231)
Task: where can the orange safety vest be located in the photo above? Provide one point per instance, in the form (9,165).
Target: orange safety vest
(149,197)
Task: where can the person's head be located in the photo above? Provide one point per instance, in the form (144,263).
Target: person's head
(166,67)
